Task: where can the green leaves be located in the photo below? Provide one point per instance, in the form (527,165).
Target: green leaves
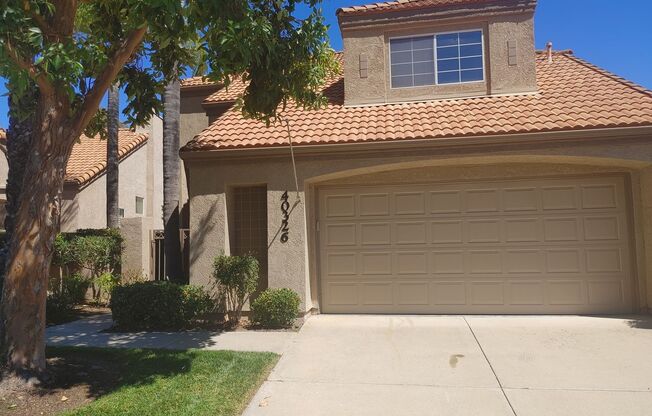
(281,57)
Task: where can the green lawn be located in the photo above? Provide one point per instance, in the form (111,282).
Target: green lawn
(163,382)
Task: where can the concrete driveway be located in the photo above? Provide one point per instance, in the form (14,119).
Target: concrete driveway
(435,365)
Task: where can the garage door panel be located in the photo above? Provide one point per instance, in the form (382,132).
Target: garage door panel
(374,204)
(514,246)
(522,293)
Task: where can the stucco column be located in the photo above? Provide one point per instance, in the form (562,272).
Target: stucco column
(646,202)
(288,261)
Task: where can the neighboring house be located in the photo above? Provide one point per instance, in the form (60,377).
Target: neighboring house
(140,189)
(455,170)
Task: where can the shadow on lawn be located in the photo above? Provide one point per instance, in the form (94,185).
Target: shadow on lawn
(102,371)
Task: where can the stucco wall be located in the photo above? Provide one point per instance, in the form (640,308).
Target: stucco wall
(193,120)
(292,264)
(371,40)
(141,174)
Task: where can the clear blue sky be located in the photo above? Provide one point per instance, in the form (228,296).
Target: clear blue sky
(613,35)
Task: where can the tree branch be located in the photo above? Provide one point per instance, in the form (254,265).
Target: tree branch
(41,80)
(105,79)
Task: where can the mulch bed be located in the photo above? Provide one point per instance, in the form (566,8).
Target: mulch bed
(74,382)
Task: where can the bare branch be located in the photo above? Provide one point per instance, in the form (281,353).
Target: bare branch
(41,80)
(106,78)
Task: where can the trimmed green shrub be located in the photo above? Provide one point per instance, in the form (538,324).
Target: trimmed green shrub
(75,287)
(236,278)
(157,306)
(59,308)
(275,308)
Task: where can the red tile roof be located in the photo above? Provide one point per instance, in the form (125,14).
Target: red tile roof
(88,157)
(572,95)
(401,5)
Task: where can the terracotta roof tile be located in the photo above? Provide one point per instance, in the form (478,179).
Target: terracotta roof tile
(226,94)
(572,95)
(237,87)
(401,5)
(88,157)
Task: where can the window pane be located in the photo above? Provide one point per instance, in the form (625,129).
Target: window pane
(470,37)
(422,43)
(401,44)
(424,79)
(422,55)
(448,65)
(404,81)
(139,205)
(472,75)
(410,57)
(471,63)
(460,57)
(471,50)
(424,68)
(447,39)
(402,69)
(449,77)
(401,57)
(451,52)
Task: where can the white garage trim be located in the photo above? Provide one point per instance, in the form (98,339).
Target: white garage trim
(514,246)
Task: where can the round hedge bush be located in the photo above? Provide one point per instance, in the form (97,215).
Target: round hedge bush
(275,308)
(157,305)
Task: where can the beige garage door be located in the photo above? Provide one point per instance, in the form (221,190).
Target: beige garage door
(514,246)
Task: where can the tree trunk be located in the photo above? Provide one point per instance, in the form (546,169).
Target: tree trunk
(172,244)
(112,163)
(19,139)
(32,243)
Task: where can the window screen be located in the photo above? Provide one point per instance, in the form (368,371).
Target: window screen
(139,205)
(412,61)
(459,57)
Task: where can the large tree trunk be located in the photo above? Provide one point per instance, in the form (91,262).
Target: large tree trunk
(172,244)
(31,246)
(112,163)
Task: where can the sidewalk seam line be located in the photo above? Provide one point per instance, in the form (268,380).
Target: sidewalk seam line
(502,389)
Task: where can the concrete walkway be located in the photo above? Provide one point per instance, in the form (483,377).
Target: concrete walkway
(87,332)
(426,365)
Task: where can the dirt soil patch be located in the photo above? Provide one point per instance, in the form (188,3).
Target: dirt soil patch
(74,382)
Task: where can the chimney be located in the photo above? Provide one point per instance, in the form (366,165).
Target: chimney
(549,51)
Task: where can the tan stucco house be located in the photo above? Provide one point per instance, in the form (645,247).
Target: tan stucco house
(455,170)
(83,204)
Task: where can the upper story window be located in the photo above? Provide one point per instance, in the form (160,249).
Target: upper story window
(459,57)
(446,58)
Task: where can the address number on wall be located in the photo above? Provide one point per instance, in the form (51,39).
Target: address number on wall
(285,218)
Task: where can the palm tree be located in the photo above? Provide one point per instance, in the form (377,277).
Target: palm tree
(171,115)
(112,162)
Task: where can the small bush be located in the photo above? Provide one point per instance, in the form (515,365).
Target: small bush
(157,306)
(237,278)
(96,252)
(59,308)
(275,308)
(75,287)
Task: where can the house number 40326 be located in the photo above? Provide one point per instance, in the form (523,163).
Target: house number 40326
(285,212)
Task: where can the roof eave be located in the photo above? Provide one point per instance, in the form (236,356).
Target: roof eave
(576,135)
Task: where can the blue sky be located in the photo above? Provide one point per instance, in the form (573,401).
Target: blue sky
(613,35)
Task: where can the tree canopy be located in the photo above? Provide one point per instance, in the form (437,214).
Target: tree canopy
(280,56)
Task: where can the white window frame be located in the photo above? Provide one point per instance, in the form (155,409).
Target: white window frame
(434,43)
(484,64)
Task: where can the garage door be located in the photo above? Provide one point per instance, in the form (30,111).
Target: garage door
(513,247)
